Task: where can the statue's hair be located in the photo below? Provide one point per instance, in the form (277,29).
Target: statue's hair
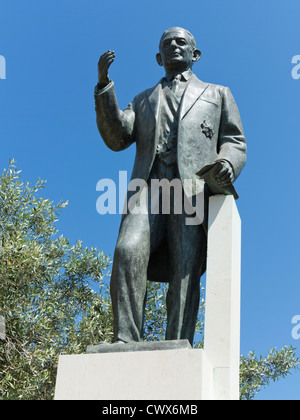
(182,29)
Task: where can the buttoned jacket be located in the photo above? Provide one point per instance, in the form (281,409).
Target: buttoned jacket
(209,127)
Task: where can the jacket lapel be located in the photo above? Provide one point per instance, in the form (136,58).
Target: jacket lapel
(153,95)
(194,90)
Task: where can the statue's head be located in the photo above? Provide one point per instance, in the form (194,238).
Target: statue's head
(177,50)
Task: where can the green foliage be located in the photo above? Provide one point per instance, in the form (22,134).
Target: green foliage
(258,372)
(55,300)
(46,291)
(155,313)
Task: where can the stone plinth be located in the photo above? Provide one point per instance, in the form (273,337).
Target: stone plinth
(223,288)
(139,375)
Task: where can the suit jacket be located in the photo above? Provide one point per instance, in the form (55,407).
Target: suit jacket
(209,129)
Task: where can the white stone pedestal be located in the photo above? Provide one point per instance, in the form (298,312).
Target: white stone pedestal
(223,289)
(176,373)
(143,375)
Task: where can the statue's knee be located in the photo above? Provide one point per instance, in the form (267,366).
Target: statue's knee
(129,249)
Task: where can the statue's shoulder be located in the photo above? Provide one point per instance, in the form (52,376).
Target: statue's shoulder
(151,89)
(212,86)
(151,92)
(140,96)
(212,91)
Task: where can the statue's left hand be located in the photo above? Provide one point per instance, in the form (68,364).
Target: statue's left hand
(225,176)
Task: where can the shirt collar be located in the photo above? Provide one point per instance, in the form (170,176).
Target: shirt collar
(186,75)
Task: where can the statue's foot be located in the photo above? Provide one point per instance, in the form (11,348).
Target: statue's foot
(105,343)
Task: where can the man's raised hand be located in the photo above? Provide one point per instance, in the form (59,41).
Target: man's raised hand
(104,63)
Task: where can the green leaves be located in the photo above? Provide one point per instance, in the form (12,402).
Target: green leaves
(46,291)
(155,314)
(258,372)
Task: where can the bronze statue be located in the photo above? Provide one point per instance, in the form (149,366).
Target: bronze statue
(180,126)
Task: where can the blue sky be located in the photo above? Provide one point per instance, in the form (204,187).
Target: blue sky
(47,124)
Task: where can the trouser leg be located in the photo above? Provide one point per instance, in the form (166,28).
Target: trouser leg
(187,246)
(139,234)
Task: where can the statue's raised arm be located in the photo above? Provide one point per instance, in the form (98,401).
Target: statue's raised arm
(115,126)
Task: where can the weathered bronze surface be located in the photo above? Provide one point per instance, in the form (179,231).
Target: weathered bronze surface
(182,128)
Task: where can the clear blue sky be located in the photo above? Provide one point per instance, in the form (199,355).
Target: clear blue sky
(47,124)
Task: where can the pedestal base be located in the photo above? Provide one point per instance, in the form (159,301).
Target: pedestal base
(183,374)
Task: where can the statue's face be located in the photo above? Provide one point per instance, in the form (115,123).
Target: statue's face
(176,50)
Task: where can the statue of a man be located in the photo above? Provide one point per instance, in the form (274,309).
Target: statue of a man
(180,126)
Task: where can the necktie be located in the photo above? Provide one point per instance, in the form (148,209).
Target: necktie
(175,83)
